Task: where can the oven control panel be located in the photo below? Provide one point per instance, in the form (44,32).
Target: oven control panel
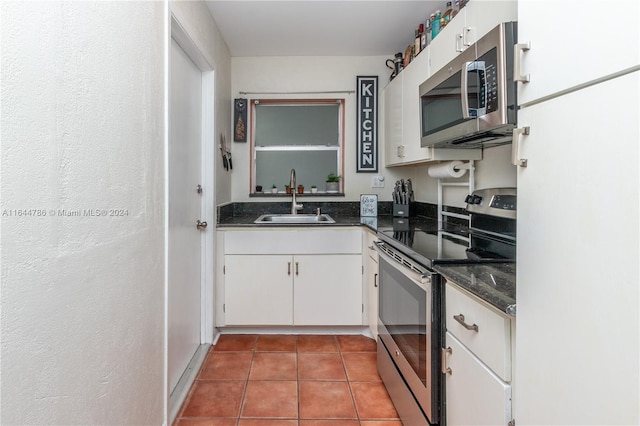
(501,202)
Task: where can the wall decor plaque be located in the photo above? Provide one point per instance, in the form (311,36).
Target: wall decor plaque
(367,124)
(240,120)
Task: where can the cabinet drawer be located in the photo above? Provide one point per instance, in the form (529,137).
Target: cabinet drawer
(491,340)
(298,241)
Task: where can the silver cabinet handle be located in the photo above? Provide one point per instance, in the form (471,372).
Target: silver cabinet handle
(520,47)
(515,146)
(375,280)
(459,38)
(200,225)
(460,319)
(443,361)
(296,268)
(288,268)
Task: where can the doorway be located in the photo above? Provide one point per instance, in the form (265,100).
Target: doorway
(190,215)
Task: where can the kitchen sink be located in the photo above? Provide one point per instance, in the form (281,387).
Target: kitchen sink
(295,219)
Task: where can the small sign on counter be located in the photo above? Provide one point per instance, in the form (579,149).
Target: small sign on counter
(368,205)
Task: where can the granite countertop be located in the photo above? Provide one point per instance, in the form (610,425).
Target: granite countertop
(495,283)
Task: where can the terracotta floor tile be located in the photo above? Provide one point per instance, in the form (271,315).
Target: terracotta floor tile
(271,399)
(361,366)
(215,399)
(373,401)
(236,342)
(329,423)
(326,400)
(356,343)
(274,366)
(276,343)
(226,366)
(206,422)
(267,422)
(320,366)
(381,423)
(317,343)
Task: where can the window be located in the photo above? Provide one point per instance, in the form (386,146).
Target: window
(305,135)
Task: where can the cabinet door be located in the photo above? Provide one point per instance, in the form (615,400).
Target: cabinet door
(327,290)
(577,258)
(371,274)
(448,44)
(258,290)
(474,395)
(393,121)
(413,76)
(574,43)
(483,16)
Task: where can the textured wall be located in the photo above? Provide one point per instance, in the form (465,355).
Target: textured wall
(82,303)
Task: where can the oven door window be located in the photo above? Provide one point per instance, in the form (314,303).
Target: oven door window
(403,311)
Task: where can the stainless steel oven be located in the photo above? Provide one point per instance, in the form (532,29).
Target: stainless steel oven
(409,333)
(411,299)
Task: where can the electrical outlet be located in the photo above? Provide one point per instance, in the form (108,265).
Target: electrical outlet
(377,181)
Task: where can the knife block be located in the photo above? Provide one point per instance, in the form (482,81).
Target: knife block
(403,210)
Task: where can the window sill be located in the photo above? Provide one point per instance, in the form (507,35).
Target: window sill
(285,195)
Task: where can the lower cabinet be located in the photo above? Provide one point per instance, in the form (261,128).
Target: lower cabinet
(475,395)
(283,278)
(478,361)
(371,281)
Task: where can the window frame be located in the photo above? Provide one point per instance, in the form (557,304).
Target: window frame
(341,139)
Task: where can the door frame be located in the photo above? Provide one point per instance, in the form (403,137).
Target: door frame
(182,34)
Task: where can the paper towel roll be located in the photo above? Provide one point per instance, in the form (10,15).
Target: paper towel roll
(447,170)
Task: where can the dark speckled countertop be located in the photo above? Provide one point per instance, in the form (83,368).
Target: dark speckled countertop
(494,283)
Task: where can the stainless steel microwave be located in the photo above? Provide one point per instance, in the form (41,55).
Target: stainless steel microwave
(471,101)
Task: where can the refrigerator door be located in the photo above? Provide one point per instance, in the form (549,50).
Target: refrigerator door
(578,323)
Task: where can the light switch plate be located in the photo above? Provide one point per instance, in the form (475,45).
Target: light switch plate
(377,181)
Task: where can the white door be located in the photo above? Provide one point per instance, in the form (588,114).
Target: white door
(185,208)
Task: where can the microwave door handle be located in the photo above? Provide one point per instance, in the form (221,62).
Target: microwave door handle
(464,92)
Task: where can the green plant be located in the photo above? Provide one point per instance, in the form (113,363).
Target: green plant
(274,186)
(333,177)
(313,186)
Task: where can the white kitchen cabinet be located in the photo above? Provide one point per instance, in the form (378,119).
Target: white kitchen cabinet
(327,289)
(477,361)
(475,20)
(293,277)
(370,257)
(578,334)
(258,289)
(575,43)
(402,120)
(475,395)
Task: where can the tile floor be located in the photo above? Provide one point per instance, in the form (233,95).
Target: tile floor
(289,380)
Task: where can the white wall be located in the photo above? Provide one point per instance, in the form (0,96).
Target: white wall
(494,170)
(82,123)
(291,74)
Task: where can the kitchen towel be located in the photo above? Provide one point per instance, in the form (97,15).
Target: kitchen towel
(450,169)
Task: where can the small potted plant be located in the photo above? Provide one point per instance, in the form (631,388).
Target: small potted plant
(300,189)
(333,183)
(287,189)
(314,189)
(274,189)
(258,188)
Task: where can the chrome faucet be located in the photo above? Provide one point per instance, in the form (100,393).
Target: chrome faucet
(292,184)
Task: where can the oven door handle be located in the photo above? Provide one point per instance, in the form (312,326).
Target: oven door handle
(418,278)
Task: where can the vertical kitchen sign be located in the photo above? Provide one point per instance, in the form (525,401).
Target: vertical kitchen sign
(367,124)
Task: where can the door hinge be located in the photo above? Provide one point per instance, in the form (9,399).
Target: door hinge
(512,422)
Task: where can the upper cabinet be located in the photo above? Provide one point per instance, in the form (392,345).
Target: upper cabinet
(401,100)
(571,44)
(475,20)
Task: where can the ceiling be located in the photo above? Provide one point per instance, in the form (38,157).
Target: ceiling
(319,28)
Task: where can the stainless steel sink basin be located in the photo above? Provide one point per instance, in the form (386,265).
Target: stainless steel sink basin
(295,219)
